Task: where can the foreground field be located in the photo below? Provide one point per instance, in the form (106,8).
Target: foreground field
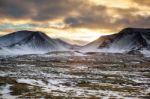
(90,76)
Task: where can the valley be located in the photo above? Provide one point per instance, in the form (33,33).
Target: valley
(75,76)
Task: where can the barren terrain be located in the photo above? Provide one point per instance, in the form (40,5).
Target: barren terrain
(90,76)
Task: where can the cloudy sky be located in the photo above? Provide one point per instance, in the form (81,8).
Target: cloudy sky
(79,21)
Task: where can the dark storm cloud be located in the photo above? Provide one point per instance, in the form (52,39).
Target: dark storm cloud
(92,16)
(76,13)
(37,9)
(13,9)
(98,17)
(72,21)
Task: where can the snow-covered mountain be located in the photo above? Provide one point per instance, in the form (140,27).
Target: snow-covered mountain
(126,40)
(26,42)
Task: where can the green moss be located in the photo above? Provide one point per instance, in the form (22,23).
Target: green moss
(54,97)
(83,83)
(18,89)
(109,87)
(8,80)
(66,84)
(94,97)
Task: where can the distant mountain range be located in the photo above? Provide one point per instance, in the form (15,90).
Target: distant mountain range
(31,42)
(128,39)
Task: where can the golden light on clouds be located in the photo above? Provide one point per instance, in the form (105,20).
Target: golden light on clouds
(114,3)
(82,34)
(75,20)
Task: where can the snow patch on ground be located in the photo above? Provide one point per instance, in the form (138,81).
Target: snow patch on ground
(146,53)
(5,92)
(56,85)
(24,65)
(8,73)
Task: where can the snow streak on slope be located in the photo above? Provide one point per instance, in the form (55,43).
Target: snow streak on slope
(29,42)
(126,40)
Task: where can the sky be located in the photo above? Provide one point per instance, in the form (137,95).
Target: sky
(75,21)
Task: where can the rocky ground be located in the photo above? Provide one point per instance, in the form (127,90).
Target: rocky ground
(88,76)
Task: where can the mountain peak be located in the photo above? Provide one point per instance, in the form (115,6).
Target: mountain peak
(126,40)
(135,30)
(33,41)
(28,31)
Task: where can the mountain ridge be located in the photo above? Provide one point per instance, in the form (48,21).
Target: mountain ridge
(31,41)
(126,40)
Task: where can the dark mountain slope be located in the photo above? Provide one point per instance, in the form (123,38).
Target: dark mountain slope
(126,40)
(31,41)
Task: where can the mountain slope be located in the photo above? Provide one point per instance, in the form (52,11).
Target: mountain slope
(31,42)
(14,37)
(126,40)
